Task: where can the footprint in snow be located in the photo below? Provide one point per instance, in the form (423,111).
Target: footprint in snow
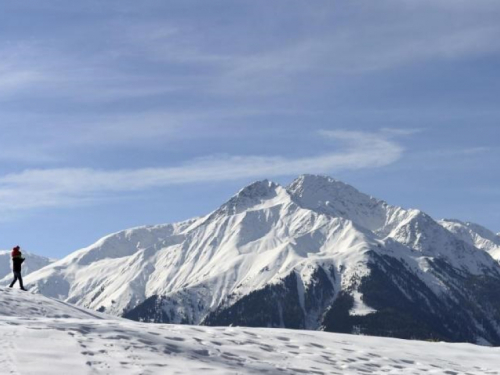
(175,338)
(311,344)
(282,338)
(201,352)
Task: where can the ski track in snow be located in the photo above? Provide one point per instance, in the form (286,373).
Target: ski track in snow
(43,336)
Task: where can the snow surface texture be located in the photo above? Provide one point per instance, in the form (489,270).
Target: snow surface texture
(262,235)
(33,263)
(44,336)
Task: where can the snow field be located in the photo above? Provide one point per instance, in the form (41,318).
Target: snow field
(44,336)
(87,346)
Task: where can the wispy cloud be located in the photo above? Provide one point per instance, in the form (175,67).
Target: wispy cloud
(34,155)
(401,132)
(17,73)
(460,153)
(34,139)
(176,57)
(449,160)
(39,188)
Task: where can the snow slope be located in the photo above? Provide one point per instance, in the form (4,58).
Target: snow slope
(475,235)
(287,257)
(33,263)
(44,336)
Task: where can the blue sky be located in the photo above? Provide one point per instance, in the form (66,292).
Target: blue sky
(123,113)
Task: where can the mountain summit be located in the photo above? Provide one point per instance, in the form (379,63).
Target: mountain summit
(317,254)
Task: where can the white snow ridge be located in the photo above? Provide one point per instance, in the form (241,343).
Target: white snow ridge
(476,235)
(42,336)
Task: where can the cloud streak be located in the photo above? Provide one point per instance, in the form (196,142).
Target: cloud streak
(362,45)
(41,188)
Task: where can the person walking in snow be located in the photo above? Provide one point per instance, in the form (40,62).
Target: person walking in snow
(17,260)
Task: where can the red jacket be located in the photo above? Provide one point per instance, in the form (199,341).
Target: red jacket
(15,252)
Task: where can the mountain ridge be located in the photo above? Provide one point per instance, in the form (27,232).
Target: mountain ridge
(475,235)
(302,256)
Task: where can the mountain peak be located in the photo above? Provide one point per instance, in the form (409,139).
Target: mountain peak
(256,194)
(258,188)
(312,181)
(325,187)
(475,235)
(332,197)
(478,229)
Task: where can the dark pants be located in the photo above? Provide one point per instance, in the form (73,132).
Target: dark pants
(17,276)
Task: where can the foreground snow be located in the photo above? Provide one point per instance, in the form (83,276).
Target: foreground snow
(45,336)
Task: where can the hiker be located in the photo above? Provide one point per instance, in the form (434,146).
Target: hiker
(17,260)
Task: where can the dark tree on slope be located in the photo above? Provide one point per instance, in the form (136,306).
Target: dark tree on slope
(407,308)
(278,305)
(274,306)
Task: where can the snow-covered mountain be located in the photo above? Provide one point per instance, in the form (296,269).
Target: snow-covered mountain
(33,263)
(475,235)
(44,336)
(317,254)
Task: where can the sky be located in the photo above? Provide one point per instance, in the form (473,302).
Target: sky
(119,114)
